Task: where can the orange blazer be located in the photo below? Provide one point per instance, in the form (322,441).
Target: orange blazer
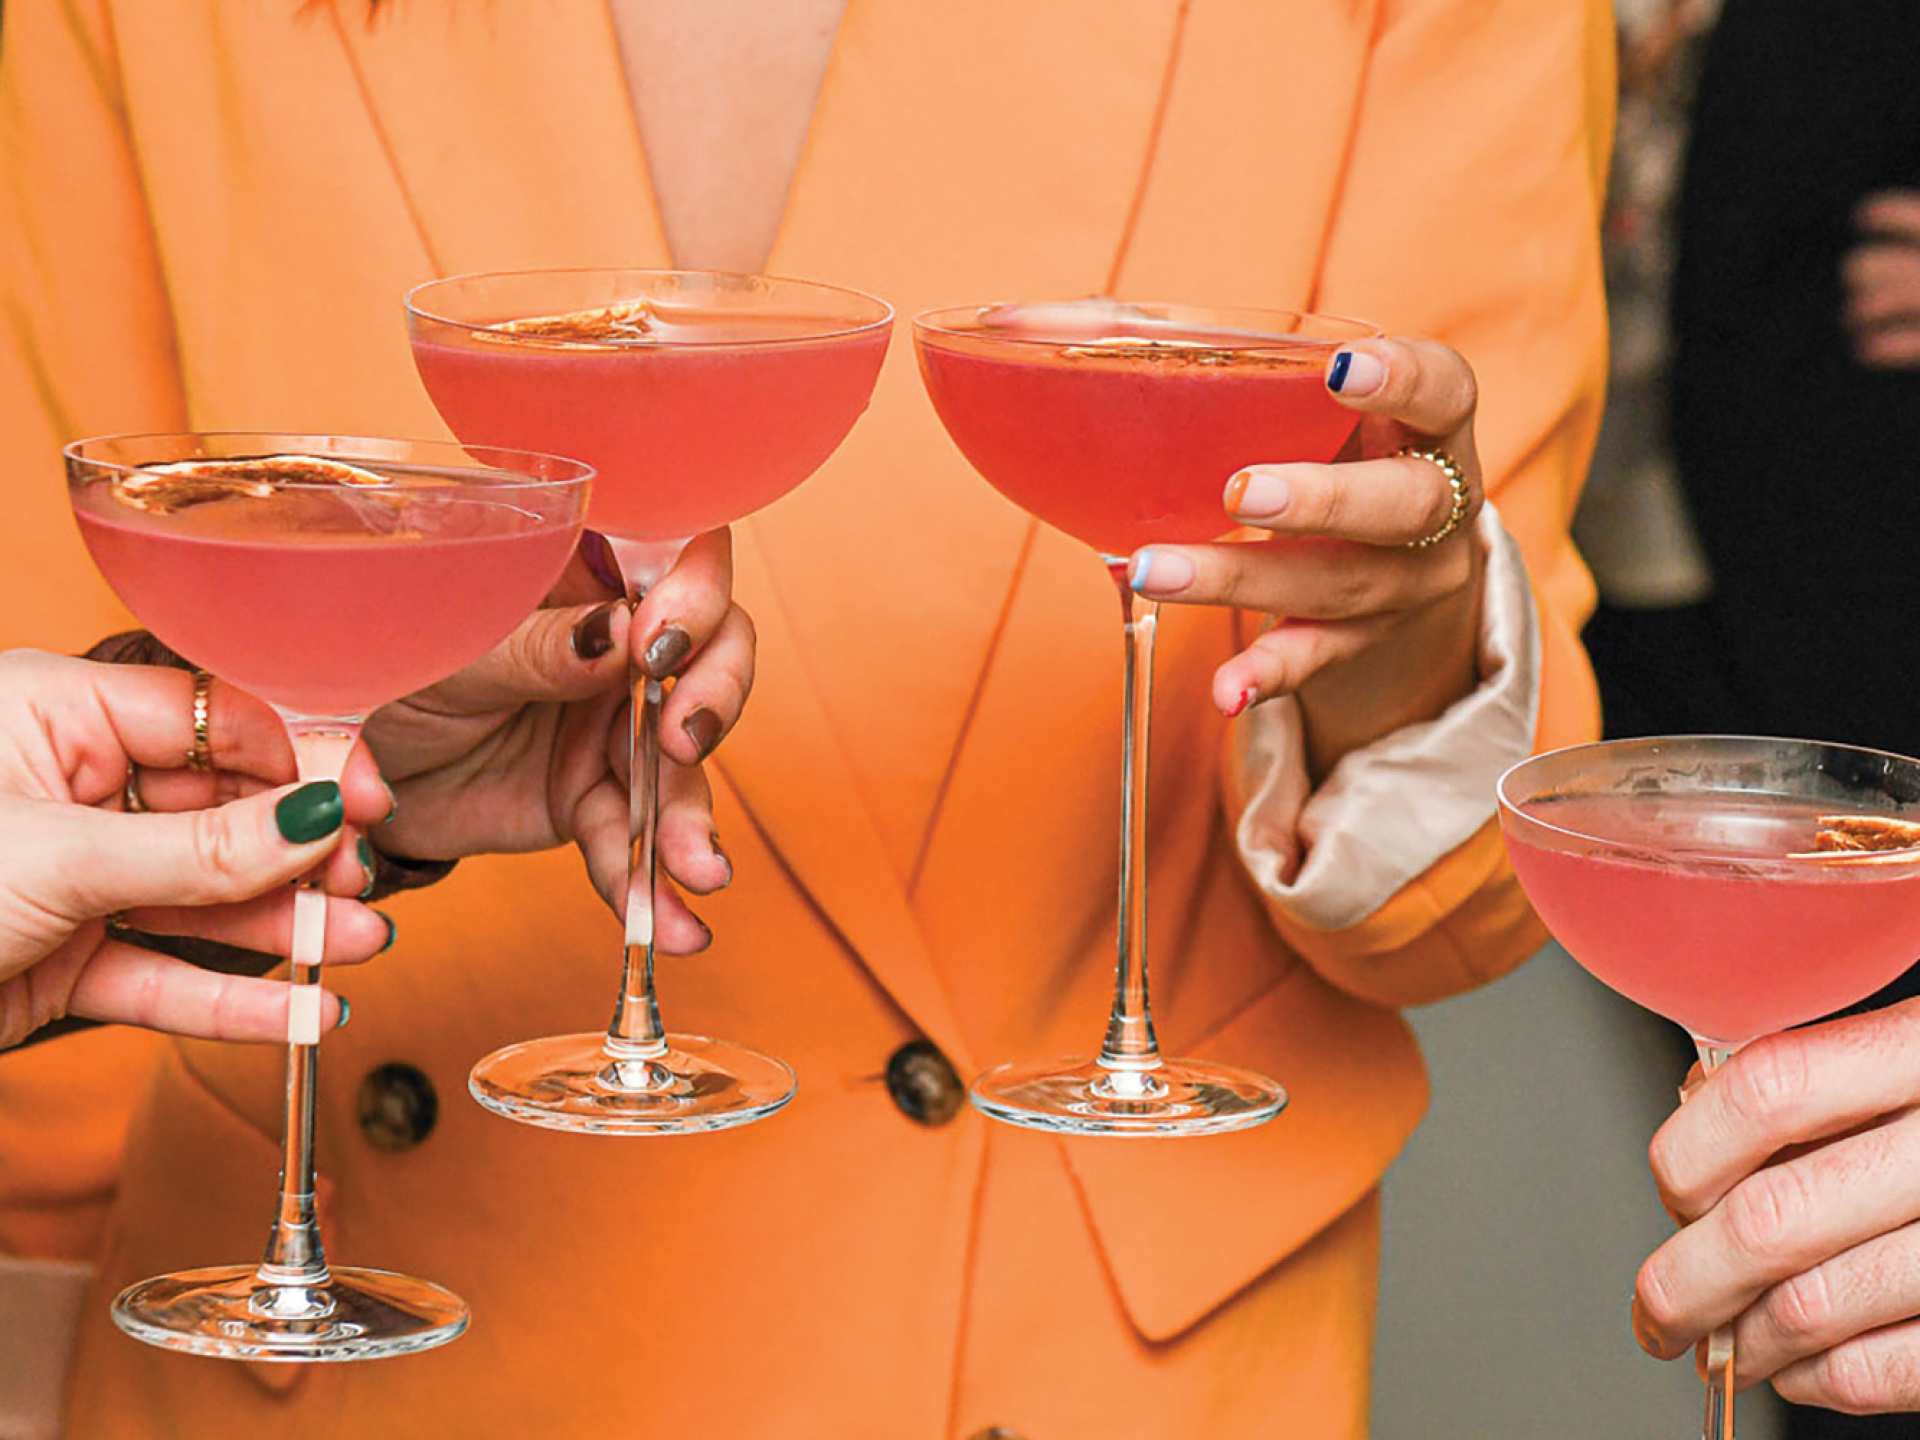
(212,212)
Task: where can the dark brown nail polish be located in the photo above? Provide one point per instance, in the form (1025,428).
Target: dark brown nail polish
(665,652)
(593,636)
(703,728)
(713,841)
(600,561)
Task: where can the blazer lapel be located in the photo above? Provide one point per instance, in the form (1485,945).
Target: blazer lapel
(551,174)
(989,150)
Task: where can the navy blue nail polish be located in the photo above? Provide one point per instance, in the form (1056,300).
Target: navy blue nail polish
(1337,376)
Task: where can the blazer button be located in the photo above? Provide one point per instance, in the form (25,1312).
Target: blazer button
(398,1107)
(923,1083)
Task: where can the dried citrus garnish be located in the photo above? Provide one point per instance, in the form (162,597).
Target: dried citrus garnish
(1168,352)
(163,489)
(1842,835)
(620,323)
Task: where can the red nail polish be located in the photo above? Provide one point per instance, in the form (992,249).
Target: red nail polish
(1246,699)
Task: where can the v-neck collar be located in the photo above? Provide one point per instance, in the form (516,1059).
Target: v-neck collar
(891,196)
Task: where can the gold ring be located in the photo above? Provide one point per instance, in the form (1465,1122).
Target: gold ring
(201,756)
(130,792)
(1462,493)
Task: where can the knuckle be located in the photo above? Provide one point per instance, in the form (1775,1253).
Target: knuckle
(1463,394)
(1321,503)
(1664,1158)
(1849,1379)
(1801,1308)
(217,847)
(1653,1288)
(1769,1081)
(1766,1212)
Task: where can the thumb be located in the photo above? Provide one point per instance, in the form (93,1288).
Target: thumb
(558,654)
(108,861)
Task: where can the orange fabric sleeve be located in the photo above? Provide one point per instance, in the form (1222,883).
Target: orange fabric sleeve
(1471,213)
(85,346)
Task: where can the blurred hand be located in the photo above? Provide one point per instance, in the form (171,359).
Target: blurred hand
(527,748)
(1882,279)
(1792,1168)
(70,732)
(1372,635)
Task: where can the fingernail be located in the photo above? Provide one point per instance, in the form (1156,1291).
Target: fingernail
(713,840)
(365,852)
(1356,373)
(393,932)
(1257,493)
(593,636)
(346,1013)
(1645,1334)
(706,932)
(314,810)
(1245,699)
(1160,572)
(703,728)
(393,804)
(601,561)
(665,652)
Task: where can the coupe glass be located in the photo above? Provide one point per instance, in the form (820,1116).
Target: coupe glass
(1121,424)
(699,397)
(327,592)
(1682,872)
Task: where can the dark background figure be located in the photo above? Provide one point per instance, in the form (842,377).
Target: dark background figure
(1795,409)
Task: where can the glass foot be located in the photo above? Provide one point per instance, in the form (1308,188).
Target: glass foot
(568,1082)
(227,1312)
(1082,1097)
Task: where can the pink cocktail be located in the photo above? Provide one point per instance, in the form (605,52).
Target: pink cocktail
(382,607)
(1689,912)
(1121,424)
(1121,445)
(328,575)
(717,416)
(699,398)
(1689,873)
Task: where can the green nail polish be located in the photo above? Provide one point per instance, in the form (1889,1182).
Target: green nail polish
(393,805)
(393,932)
(365,850)
(312,811)
(346,1013)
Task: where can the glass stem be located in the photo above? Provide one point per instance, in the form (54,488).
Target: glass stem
(1130,1052)
(294,1272)
(636,1039)
(1718,1424)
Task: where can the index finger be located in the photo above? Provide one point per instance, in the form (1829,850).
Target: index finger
(681,612)
(1423,385)
(1787,1089)
(114,716)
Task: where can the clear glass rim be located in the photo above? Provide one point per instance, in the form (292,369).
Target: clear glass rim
(937,320)
(366,450)
(1514,817)
(881,321)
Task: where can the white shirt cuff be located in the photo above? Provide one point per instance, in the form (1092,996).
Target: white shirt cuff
(1331,857)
